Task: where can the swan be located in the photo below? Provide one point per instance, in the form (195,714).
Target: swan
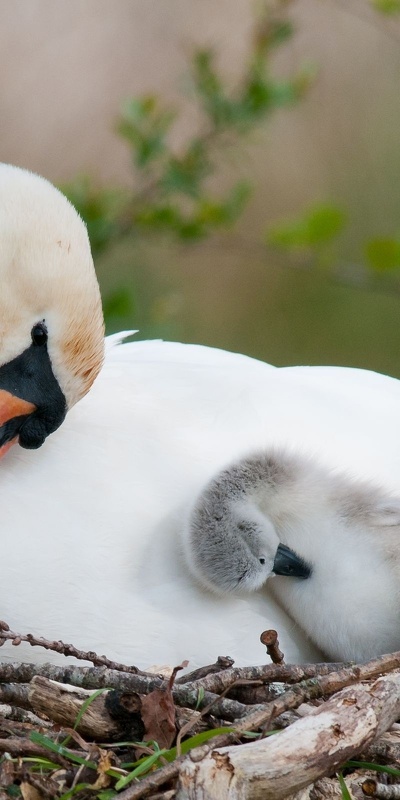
(91,520)
(335,539)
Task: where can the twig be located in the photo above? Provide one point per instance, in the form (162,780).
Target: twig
(12,713)
(222,663)
(372,788)
(61,647)
(253,693)
(24,747)
(153,781)
(15,694)
(292,673)
(386,749)
(271,641)
(268,673)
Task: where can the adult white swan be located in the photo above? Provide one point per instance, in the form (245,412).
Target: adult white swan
(90,551)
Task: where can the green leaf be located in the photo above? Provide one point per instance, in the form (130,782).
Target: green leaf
(258,97)
(77,788)
(383,255)
(200,698)
(212,214)
(159,216)
(284,93)
(209,89)
(196,741)
(386,6)
(85,705)
(14,791)
(318,227)
(40,763)
(185,174)
(278,31)
(370,765)
(324,224)
(345,792)
(145,125)
(144,767)
(44,741)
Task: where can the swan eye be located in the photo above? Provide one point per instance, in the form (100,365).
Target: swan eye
(262,560)
(39,334)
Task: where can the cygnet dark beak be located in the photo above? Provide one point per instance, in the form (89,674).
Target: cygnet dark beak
(287,562)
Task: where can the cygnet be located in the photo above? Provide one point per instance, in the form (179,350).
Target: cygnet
(332,542)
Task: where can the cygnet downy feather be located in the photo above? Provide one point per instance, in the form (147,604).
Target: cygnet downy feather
(268,509)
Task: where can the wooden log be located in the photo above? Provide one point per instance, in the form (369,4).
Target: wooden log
(317,745)
(62,703)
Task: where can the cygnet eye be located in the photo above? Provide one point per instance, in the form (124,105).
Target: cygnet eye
(262,560)
(39,334)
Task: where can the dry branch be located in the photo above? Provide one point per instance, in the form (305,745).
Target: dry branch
(271,641)
(57,646)
(309,749)
(381,791)
(294,673)
(15,694)
(62,704)
(222,662)
(386,748)
(23,747)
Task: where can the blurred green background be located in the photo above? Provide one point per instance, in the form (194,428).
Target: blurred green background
(238,164)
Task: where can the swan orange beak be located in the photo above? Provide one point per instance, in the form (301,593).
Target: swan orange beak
(12,408)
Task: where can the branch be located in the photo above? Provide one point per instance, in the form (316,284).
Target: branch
(313,747)
(6,635)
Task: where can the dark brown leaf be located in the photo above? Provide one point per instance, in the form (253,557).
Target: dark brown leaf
(158,715)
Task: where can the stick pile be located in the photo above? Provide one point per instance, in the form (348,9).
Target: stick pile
(90,732)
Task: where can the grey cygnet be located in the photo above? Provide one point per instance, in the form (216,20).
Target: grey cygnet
(338,540)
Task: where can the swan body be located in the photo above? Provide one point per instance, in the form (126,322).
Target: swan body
(346,531)
(91,521)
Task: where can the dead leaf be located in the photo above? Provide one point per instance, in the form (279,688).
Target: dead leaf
(29,792)
(158,715)
(7,774)
(105,761)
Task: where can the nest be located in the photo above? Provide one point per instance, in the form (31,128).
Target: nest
(219,733)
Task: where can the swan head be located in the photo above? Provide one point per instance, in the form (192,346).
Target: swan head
(51,321)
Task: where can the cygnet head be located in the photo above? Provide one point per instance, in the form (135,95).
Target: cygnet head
(231,546)
(51,322)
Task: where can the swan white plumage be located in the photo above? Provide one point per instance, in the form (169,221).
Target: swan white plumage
(90,521)
(277,514)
